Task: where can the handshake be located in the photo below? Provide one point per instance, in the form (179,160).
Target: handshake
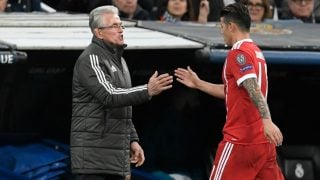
(158,83)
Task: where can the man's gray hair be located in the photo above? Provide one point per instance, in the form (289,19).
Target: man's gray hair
(95,16)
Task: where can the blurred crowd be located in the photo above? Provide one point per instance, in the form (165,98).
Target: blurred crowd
(201,11)
(20,5)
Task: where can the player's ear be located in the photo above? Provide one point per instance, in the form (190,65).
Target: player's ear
(232,26)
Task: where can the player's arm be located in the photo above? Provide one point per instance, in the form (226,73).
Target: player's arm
(189,78)
(271,131)
(216,90)
(253,89)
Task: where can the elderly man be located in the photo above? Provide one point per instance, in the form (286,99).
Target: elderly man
(307,11)
(103,138)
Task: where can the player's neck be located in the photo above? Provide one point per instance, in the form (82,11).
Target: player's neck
(241,36)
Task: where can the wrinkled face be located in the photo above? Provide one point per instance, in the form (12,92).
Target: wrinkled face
(126,6)
(256,10)
(112,31)
(301,8)
(226,32)
(177,8)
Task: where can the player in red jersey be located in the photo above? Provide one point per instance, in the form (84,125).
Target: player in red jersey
(248,148)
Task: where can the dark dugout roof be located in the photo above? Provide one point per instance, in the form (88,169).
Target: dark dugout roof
(283,42)
(274,35)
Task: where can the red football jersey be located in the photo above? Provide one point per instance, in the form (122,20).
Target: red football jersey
(243,122)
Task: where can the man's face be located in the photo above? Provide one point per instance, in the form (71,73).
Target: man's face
(126,6)
(301,8)
(112,31)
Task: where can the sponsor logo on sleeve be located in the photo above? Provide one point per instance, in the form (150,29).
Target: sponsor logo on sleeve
(246,68)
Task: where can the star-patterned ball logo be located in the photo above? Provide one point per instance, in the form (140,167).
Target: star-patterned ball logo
(241,59)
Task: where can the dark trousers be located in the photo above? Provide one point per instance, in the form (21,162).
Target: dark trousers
(100,177)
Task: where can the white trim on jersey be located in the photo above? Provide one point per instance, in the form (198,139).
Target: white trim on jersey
(259,74)
(265,69)
(239,43)
(247,76)
(226,84)
(259,55)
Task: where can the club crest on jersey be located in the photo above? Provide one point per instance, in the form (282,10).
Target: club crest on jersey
(241,60)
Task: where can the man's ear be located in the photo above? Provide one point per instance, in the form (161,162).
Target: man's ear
(97,33)
(232,26)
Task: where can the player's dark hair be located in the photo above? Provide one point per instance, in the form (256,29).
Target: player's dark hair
(237,13)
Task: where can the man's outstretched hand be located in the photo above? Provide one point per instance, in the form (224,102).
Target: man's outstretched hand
(158,83)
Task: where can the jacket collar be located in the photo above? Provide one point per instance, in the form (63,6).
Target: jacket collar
(114,49)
